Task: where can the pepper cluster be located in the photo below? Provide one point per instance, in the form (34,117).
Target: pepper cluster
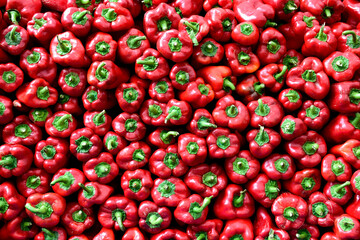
(180,119)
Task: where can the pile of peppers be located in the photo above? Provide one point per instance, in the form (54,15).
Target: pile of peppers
(180,119)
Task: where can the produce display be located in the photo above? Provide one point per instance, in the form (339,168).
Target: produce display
(180,119)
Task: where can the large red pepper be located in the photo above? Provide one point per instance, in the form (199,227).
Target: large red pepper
(21,227)
(136,184)
(266,112)
(241,59)
(353,208)
(221,22)
(76,219)
(335,169)
(305,232)
(222,143)
(319,42)
(279,166)
(97,99)
(19,12)
(129,126)
(134,156)
(272,46)
(196,27)
(350,151)
(291,127)
(153,113)
(94,193)
(45,209)
(284,10)
(178,112)
(130,234)
(338,192)
(161,90)
(66,181)
(151,65)
(263,189)
(85,144)
(347,227)
(113,143)
(237,228)
(35,180)
(6,112)
(197,93)
(304,182)
(348,41)
(77,20)
(210,229)
(14,39)
(315,114)
(130,96)
(262,141)
(61,124)
(192,149)
(341,66)
(342,128)
(102,169)
(169,192)
(192,210)
(254,11)
(11,77)
(12,203)
(153,219)
(328,11)
(344,97)
(39,115)
(355,182)
(162,137)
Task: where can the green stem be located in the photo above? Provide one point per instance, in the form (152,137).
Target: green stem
(356,121)
(189,25)
(50,234)
(119,217)
(281,74)
(227,84)
(205,203)
(14,16)
(86,189)
(353,35)
(155,220)
(102,74)
(339,187)
(12,33)
(62,178)
(42,209)
(97,117)
(81,15)
(239,201)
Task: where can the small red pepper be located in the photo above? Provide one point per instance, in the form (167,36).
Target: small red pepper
(161,90)
(102,169)
(207,52)
(130,96)
(153,219)
(39,116)
(136,184)
(93,193)
(181,74)
(263,141)
(133,156)
(129,126)
(273,76)
(169,234)
(35,180)
(201,123)
(85,144)
(263,189)
(12,203)
(108,234)
(6,112)
(241,59)
(272,46)
(60,124)
(21,227)
(151,65)
(266,111)
(250,89)
(319,42)
(192,149)
(77,20)
(346,227)
(355,182)
(254,11)
(76,219)
(237,228)
(245,33)
(196,27)
(14,39)
(178,112)
(162,137)
(19,12)
(335,169)
(263,222)
(305,231)
(99,122)
(132,45)
(169,192)
(221,22)
(344,97)
(291,128)
(113,143)
(11,77)
(315,114)
(304,182)
(341,66)
(342,128)
(210,229)
(72,81)
(57,233)
(348,41)
(66,181)
(97,99)
(197,93)
(192,210)
(326,11)
(279,167)
(222,143)
(292,59)
(338,192)
(350,151)
(153,113)
(100,47)
(130,234)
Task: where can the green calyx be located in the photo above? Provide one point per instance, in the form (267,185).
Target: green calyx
(259,88)
(309,21)
(354,96)
(346,224)
(238,200)
(337,167)
(102,169)
(83,3)
(201,236)
(303,234)
(288,126)
(4,206)
(196,209)
(355,121)
(130,94)
(39,114)
(147,3)
(22,131)
(281,165)
(309,76)
(178,11)
(138,155)
(161,87)
(92,96)
(101,73)
(227,84)
(192,28)
(237,237)
(79,216)
(26,224)
(72,79)
(271,189)
(83,144)
(243,58)
(319,210)
(223,142)
(246,29)
(209,49)
(109,14)
(135,41)
(164,24)
(204,90)
(209,179)
(173,113)
(99,118)
(154,220)
(357,182)
(8,162)
(308,183)
(262,137)
(33,58)
(166,189)
(43,93)
(9,77)
(62,123)
(175,44)
(312,112)
(39,22)
(119,216)
(241,166)
(231,111)
(340,64)
(182,77)
(272,235)
(63,98)
(33,182)
(293,96)
(149,64)
(171,160)
(262,109)
(48,152)
(89,191)
(290,62)
(327,12)
(65,181)
(290,214)
(339,190)
(321,35)
(13,37)
(50,235)
(310,148)
(43,209)
(352,40)
(135,185)
(14,16)
(102,48)
(279,77)
(111,142)
(154,111)
(3,109)
(80,18)
(192,148)
(290,7)
(204,123)
(63,47)
(273,46)
(227,25)
(167,136)
(270,24)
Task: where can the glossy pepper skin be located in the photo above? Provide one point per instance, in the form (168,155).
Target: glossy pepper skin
(222,143)
(262,142)
(151,65)
(97,99)
(349,151)
(101,46)
(344,97)
(66,181)
(169,192)
(250,89)
(210,228)
(134,156)
(207,52)
(136,184)
(35,180)
(292,59)
(347,227)
(11,77)
(162,137)
(11,201)
(72,81)
(102,169)
(319,42)
(308,149)
(16,159)
(192,149)
(342,128)
(325,11)
(290,211)
(304,182)
(54,232)
(341,66)
(256,12)
(14,39)
(353,207)
(196,28)
(45,209)
(236,227)
(76,219)
(234,202)
(291,127)
(322,211)
(348,40)
(51,154)
(152,218)
(197,93)
(273,76)
(153,113)
(354,182)
(192,210)
(130,234)
(263,222)
(335,169)
(7,114)
(201,123)
(263,189)
(99,122)
(94,193)
(113,143)
(315,114)
(177,112)
(21,227)
(241,59)
(338,192)
(132,45)
(170,234)
(61,124)
(279,167)
(242,167)
(130,96)
(118,212)
(272,46)
(85,144)
(266,112)
(245,33)
(129,126)
(221,22)
(231,113)
(181,74)
(19,12)
(77,20)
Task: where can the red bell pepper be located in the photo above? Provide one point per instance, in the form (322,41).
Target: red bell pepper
(273,76)
(263,189)
(344,97)
(77,20)
(335,169)
(197,93)
(242,167)
(305,232)
(263,222)
(12,203)
(14,39)
(195,27)
(153,219)
(291,127)
(162,137)
(292,59)
(153,113)
(237,228)
(45,209)
(222,143)
(169,234)
(66,181)
(187,8)
(272,46)
(284,10)
(279,167)
(349,151)
(241,59)
(209,4)
(308,149)
(192,149)
(207,52)
(68,104)
(132,45)
(39,115)
(254,11)
(118,212)
(99,122)
(319,42)
(178,112)
(161,90)
(290,211)
(21,227)
(60,124)
(304,182)
(6,112)
(329,236)
(221,22)
(102,169)
(353,208)
(35,180)
(339,27)
(192,210)
(347,227)
(355,182)
(113,143)
(136,184)
(326,11)
(348,41)
(322,211)
(315,114)
(130,234)
(245,33)
(165,163)
(250,89)
(352,11)
(72,81)
(87,4)
(263,141)
(342,128)
(76,219)
(341,66)
(11,77)
(340,193)
(57,233)
(129,126)
(85,144)
(134,156)
(210,229)
(151,65)
(51,154)
(274,234)
(108,234)
(201,123)
(234,202)
(97,99)
(266,111)
(19,12)
(101,46)
(93,193)
(181,74)
(169,192)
